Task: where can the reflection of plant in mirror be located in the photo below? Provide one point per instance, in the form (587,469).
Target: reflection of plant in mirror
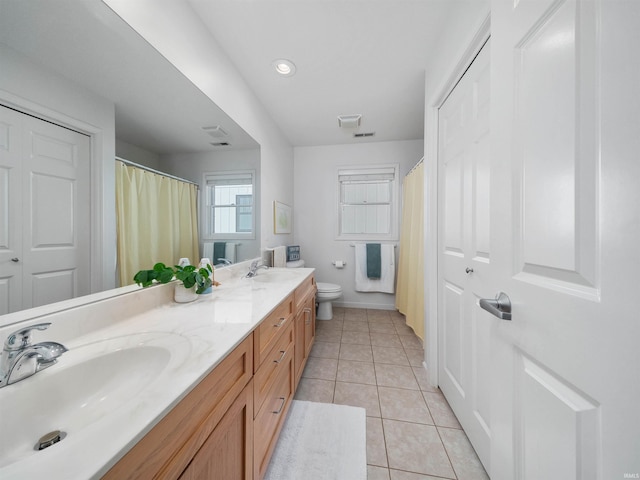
(189,275)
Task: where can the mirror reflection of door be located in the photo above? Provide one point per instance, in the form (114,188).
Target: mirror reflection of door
(44,185)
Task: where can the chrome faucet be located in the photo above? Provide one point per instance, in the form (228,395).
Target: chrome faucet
(21,359)
(223,261)
(253,269)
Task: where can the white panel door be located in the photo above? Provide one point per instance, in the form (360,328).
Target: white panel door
(45,212)
(565,232)
(464,252)
(10,211)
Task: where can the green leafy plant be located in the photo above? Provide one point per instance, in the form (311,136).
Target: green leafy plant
(189,275)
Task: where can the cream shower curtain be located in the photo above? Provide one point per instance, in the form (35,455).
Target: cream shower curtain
(410,286)
(157,220)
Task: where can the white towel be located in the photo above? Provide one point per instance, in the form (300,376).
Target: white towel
(230,252)
(280,257)
(386,282)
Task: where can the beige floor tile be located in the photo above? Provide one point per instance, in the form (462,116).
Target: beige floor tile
(378,314)
(338,313)
(416,357)
(315,390)
(356,372)
(416,448)
(356,327)
(322,368)
(385,340)
(423,380)
(376,449)
(463,457)
(377,473)
(411,341)
(325,335)
(403,328)
(400,475)
(395,356)
(325,350)
(396,376)
(355,314)
(358,353)
(405,405)
(379,327)
(440,410)
(359,338)
(358,395)
(329,324)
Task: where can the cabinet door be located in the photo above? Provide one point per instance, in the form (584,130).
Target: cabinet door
(300,344)
(309,324)
(228,452)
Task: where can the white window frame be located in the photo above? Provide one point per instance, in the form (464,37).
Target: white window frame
(372,170)
(205,218)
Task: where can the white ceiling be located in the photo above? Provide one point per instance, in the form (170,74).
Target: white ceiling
(156,107)
(353,57)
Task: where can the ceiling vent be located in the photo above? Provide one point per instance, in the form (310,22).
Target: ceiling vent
(361,135)
(349,121)
(220,144)
(216,131)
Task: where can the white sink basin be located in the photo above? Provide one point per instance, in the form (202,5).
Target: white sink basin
(88,384)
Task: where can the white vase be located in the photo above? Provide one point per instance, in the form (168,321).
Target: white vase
(184,295)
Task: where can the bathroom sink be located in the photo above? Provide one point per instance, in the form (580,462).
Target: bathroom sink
(90,383)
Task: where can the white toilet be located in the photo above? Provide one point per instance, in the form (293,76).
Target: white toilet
(327,292)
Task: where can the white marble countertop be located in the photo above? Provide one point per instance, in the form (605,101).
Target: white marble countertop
(200,335)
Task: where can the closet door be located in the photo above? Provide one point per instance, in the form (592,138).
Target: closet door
(10,211)
(44,241)
(464,253)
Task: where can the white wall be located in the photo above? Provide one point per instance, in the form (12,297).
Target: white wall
(192,166)
(33,89)
(198,56)
(133,153)
(315,209)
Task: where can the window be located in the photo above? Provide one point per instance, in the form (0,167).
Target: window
(367,203)
(228,210)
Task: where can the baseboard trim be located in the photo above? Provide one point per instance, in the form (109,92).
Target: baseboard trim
(370,306)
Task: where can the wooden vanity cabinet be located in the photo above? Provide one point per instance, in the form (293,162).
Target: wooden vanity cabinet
(274,382)
(305,324)
(168,449)
(227,427)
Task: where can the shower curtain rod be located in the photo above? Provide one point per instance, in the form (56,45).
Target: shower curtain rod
(157,172)
(415,166)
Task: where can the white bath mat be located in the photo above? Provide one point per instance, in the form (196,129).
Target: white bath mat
(321,441)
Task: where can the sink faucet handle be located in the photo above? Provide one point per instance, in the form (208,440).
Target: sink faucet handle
(22,338)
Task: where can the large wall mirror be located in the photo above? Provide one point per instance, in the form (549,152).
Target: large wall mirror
(162,121)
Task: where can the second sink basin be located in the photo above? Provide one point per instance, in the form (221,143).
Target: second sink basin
(89,383)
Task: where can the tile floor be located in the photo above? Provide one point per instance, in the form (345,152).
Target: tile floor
(371,359)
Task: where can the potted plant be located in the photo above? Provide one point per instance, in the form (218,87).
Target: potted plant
(193,281)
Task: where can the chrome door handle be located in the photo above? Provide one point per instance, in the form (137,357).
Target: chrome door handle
(500,306)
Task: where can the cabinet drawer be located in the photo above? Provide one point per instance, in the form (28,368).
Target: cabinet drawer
(306,288)
(169,447)
(270,418)
(276,360)
(267,333)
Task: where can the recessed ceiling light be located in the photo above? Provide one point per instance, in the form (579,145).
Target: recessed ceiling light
(284,67)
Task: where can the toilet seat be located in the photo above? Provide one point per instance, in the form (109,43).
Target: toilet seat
(328,287)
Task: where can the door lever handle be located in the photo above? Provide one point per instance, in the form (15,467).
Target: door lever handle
(500,306)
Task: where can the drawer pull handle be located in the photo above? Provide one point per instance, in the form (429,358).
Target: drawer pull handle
(279,324)
(281,406)
(281,356)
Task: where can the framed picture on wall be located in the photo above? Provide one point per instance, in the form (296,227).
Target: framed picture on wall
(281,218)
